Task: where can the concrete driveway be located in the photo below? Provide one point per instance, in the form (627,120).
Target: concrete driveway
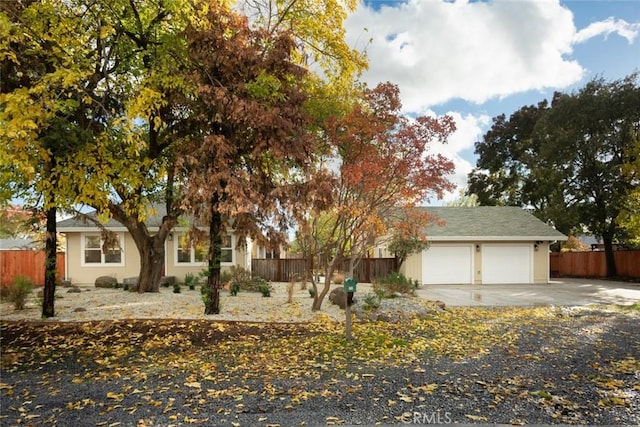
(565,292)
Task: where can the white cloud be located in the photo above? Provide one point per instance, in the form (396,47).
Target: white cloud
(437,51)
(442,50)
(469,129)
(607,27)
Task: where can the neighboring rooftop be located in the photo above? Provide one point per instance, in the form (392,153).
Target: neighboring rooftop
(489,223)
(17,244)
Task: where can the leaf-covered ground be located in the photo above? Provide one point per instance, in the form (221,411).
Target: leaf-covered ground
(508,365)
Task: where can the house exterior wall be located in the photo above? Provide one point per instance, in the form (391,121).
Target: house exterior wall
(541,263)
(80,274)
(412,267)
(86,274)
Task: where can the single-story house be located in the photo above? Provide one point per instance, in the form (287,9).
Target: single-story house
(86,261)
(483,245)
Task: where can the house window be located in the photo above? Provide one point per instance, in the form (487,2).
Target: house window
(92,253)
(198,253)
(264,253)
(227,249)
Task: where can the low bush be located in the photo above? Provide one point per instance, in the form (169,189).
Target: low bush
(176,288)
(393,284)
(265,289)
(371,302)
(19,291)
(241,277)
(234,289)
(190,281)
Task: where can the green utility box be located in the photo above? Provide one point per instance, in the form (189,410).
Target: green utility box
(350,284)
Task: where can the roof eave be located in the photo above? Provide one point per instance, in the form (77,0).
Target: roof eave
(494,238)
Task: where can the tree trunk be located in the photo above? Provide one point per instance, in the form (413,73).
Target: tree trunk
(212,301)
(612,270)
(150,248)
(50,265)
(151,265)
(318,299)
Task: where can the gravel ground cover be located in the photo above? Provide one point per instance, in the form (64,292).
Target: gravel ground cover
(507,366)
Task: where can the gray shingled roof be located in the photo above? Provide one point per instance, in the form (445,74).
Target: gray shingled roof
(154,219)
(489,223)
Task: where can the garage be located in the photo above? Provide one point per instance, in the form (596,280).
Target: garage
(507,263)
(447,264)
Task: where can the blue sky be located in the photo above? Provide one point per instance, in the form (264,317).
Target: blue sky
(478,59)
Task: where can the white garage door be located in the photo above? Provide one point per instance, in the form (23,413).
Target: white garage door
(447,264)
(507,263)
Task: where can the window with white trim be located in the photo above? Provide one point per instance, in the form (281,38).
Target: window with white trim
(187,253)
(93,255)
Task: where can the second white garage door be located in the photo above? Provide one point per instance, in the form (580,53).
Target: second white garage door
(447,264)
(507,263)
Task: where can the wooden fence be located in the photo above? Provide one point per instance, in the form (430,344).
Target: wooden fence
(593,264)
(26,263)
(282,270)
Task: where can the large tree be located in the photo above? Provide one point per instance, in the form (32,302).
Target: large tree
(380,167)
(45,112)
(509,169)
(244,166)
(566,160)
(134,79)
(112,68)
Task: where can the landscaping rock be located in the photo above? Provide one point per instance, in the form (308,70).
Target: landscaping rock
(106,282)
(130,283)
(74,290)
(338,297)
(79,310)
(168,281)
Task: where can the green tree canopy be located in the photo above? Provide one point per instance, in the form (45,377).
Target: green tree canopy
(566,160)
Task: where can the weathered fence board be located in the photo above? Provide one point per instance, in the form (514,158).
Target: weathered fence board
(26,263)
(282,270)
(593,264)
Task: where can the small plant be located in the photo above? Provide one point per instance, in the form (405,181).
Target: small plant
(176,288)
(394,283)
(19,291)
(312,292)
(125,286)
(166,284)
(371,301)
(265,290)
(190,281)
(234,289)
